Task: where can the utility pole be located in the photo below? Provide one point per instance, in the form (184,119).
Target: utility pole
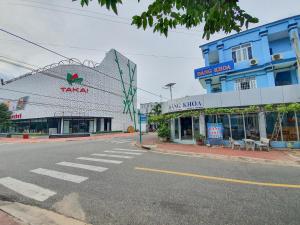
(170,86)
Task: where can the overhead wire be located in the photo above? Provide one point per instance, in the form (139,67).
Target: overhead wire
(65,57)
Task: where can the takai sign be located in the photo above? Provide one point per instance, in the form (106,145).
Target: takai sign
(213,70)
(74,79)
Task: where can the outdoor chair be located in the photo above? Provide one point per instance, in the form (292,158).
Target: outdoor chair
(263,143)
(234,143)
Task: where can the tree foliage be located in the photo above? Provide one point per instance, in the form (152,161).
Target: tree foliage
(4,117)
(163,15)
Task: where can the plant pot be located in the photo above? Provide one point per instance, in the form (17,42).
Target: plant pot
(200,142)
(163,139)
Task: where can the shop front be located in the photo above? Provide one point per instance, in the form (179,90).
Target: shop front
(235,116)
(71,125)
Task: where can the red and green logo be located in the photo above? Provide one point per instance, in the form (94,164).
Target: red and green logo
(74,79)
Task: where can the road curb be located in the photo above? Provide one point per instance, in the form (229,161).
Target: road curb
(33,215)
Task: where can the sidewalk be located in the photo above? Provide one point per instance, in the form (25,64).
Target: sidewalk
(283,156)
(5,219)
(47,140)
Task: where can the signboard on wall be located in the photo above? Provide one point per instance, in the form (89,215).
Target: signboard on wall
(215,130)
(186,105)
(213,70)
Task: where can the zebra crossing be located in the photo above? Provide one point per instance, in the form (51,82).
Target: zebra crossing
(38,193)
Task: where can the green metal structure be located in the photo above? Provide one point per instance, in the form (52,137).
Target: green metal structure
(129,93)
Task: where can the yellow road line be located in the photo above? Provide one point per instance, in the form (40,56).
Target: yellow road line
(219,178)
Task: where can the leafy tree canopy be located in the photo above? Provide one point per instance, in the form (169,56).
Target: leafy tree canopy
(163,15)
(4,117)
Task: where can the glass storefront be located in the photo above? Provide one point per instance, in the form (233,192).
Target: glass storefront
(176,128)
(289,127)
(237,126)
(196,126)
(241,126)
(53,125)
(38,126)
(252,126)
(224,119)
(186,128)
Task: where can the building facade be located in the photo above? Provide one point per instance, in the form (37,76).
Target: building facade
(257,67)
(74,97)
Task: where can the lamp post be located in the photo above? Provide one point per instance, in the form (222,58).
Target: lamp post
(170,86)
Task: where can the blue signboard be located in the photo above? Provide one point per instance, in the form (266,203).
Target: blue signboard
(213,70)
(143,118)
(215,130)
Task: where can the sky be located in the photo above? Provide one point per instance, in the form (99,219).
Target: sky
(89,32)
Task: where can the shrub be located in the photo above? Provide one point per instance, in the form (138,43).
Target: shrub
(163,130)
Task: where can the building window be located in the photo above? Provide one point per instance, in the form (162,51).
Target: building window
(242,53)
(245,83)
(283,78)
(215,88)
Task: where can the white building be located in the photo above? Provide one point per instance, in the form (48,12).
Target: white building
(74,97)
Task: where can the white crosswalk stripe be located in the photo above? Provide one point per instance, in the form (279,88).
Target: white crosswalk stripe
(113,156)
(100,160)
(83,166)
(123,152)
(117,142)
(59,175)
(129,150)
(6,144)
(27,189)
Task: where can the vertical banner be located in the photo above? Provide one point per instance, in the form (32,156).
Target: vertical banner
(215,130)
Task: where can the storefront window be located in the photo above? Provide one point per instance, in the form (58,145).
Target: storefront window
(38,126)
(224,119)
(176,128)
(210,119)
(196,126)
(186,128)
(289,127)
(271,118)
(237,126)
(252,126)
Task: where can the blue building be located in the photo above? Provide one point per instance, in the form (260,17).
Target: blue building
(255,69)
(261,57)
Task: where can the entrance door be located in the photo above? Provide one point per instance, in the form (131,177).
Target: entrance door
(91,126)
(186,128)
(66,129)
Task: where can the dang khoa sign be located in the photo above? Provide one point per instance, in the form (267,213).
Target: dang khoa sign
(185,105)
(213,70)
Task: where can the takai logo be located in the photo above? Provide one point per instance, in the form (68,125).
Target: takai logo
(74,79)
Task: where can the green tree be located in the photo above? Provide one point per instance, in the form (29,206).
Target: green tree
(163,15)
(4,118)
(156,110)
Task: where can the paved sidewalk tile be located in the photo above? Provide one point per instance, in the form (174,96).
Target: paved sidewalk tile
(46,139)
(279,155)
(7,220)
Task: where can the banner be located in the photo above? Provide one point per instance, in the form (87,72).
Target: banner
(215,130)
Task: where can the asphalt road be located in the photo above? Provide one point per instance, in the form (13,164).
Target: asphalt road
(150,188)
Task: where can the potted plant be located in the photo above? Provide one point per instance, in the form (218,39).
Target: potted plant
(199,139)
(163,132)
